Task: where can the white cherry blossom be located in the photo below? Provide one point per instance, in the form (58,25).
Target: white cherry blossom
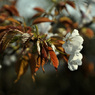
(75,61)
(73,42)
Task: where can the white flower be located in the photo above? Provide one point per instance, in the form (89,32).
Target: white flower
(74,61)
(73,42)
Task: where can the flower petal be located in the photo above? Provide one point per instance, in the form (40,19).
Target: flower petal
(73,67)
(75,33)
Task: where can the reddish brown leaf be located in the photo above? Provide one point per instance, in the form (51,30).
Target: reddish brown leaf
(44,53)
(2,18)
(21,67)
(41,19)
(3,27)
(42,64)
(37,15)
(2,34)
(6,38)
(11,9)
(61,42)
(60,48)
(38,63)
(13,20)
(71,3)
(39,9)
(35,62)
(65,20)
(53,57)
(88,32)
(75,25)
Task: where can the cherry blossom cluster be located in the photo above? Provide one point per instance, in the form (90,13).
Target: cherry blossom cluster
(73,46)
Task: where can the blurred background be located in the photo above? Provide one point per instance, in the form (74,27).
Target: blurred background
(64,81)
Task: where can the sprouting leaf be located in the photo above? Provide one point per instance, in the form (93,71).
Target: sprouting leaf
(21,67)
(13,20)
(39,9)
(53,57)
(41,19)
(71,3)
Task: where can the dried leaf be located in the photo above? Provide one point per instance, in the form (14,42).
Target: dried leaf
(35,62)
(61,42)
(41,19)
(13,20)
(2,34)
(53,57)
(65,20)
(44,53)
(2,18)
(42,64)
(21,67)
(2,28)
(7,37)
(11,9)
(38,63)
(39,9)
(37,15)
(60,48)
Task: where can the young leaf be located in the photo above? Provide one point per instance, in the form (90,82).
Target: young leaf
(53,57)
(41,19)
